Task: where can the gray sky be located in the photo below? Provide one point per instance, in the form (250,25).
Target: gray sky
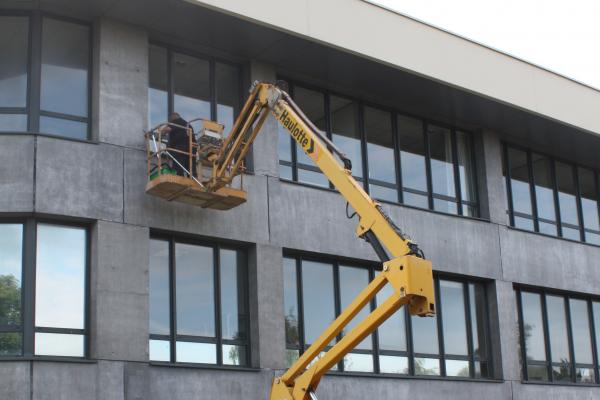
(562,36)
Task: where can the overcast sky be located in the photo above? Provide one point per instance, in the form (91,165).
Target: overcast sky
(562,36)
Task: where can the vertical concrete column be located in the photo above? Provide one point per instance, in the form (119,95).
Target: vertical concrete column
(119,292)
(266,307)
(264,150)
(505,332)
(120,84)
(491,180)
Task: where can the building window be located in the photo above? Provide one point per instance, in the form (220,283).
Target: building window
(551,197)
(559,336)
(397,158)
(43,289)
(45,75)
(453,344)
(198,303)
(194,87)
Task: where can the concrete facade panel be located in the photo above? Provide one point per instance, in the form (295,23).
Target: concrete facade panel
(16,173)
(14,380)
(523,391)
(79,179)
(534,259)
(61,381)
(122,84)
(248,222)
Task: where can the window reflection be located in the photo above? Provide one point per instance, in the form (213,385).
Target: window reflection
(290,303)
(589,205)
(392,333)
(380,145)
(65,63)
(157,86)
(466,172)
(580,328)
(559,341)
(533,330)
(159,287)
(319,309)
(544,193)
(233,296)
(191,86)
(442,167)
(567,200)
(11,241)
(14,42)
(352,281)
(453,317)
(412,155)
(60,277)
(195,290)
(191,352)
(344,130)
(312,103)
(54,344)
(228,94)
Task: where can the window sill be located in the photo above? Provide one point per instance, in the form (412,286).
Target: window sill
(416,377)
(73,360)
(204,366)
(48,135)
(567,384)
(391,203)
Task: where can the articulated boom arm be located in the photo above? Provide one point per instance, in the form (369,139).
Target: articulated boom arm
(404,268)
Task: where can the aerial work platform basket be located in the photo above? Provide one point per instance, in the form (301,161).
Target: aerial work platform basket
(182,172)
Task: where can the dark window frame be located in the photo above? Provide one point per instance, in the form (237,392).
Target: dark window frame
(410,354)
(550,363)
(365,180)
(533,197)
(28,328)
(173,337)
(32,110)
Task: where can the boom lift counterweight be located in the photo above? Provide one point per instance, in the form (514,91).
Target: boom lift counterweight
(404,266)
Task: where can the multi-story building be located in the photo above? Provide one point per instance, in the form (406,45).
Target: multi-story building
(489,163)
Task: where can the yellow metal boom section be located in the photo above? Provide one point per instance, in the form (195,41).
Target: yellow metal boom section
(407,272)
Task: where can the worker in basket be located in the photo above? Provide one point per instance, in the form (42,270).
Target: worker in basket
(178,130)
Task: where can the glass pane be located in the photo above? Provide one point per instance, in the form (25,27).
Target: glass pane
(157,86)
(445,206)
(561,372)
(228,94)
(354,362)
(470,211)
(566,194)
(189,352)
(570,233)
(285,172)
(65,60)
(312,103)
(425,335)
(592,238)
(159,288)
(291,356)
(412,153)
(57,344)
(380,145)
(524,223)
(519,181)
(160,350)
(454,321)
(13,122)
(234,355)
(10,344)
(317,293)
(383,193)
(557,329)
(580,329)
(392,333)
(415,200)
(290,302)
(585,375)
(11,261)
(14,45)
(64,127)
(537,372)
(60,264)
(427,366)
(533,329)
(312,177)
(352,281)
(345,132)
(195,290)
(457,368)
(393,365)
(191,87)
(547,229)
(596,311)
(589,196)
(442,167)
(477,305)
(233,296)
(466,172)
(544,188)
(284,148)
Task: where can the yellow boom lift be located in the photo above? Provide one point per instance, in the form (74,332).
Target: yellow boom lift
(404,266)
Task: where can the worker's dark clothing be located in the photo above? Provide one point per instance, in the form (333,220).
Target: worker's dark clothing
(179,140)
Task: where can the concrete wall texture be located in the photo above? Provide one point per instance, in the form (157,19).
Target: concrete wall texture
(102,181)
